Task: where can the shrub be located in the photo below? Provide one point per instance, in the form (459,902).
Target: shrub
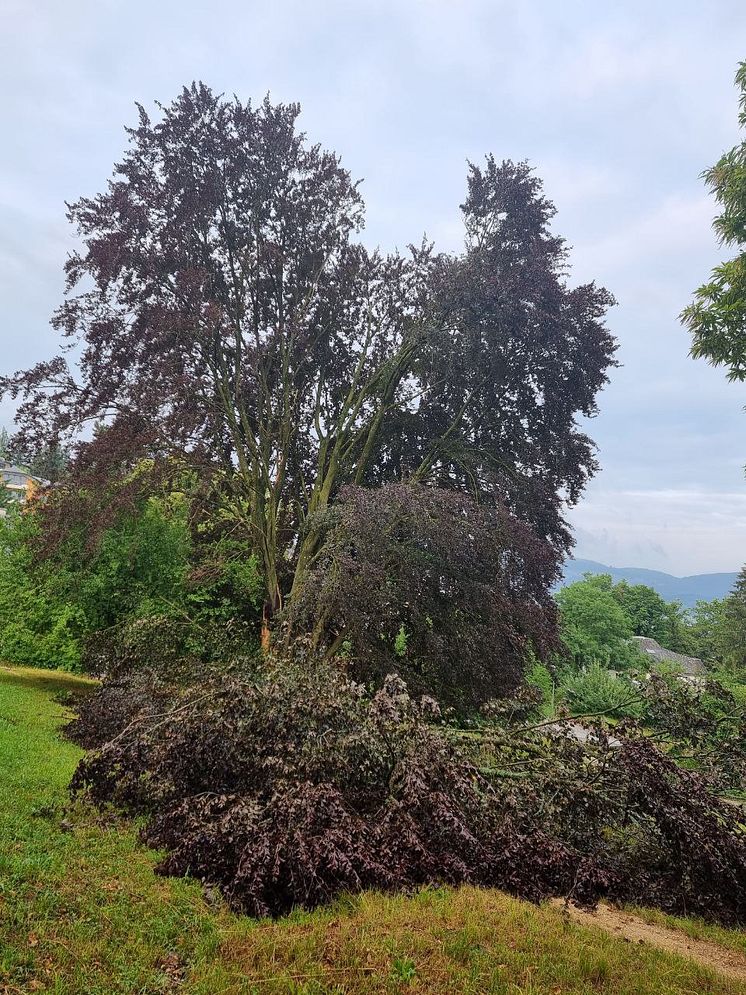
(597,690)
(656,831)
(117,704)
(38,627)
(686,851)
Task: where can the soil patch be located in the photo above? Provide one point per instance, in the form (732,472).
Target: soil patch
(635,930)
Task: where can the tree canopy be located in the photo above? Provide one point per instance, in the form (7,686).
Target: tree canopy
(730,633)
(598,618)
(594,626)
(650,615)
(454,594)
(717,317)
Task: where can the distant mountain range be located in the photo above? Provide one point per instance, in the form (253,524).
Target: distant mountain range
(687,590)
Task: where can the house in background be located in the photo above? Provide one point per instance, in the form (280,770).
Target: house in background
(692,669)
(16,483)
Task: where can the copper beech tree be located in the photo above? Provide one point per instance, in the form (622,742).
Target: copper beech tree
(221,307)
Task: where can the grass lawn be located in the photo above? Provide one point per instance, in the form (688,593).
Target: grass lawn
(82,912)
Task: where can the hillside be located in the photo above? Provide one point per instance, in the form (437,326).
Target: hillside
(687,590)
(81,912)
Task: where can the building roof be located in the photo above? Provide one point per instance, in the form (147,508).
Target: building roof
(691,666)
(16,478)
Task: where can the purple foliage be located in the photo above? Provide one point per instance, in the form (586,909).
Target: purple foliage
(292,785)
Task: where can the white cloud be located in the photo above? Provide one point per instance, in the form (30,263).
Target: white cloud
(682,531)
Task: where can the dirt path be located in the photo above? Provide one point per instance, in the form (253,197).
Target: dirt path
(636,930)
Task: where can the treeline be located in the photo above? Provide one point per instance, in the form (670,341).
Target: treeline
(600,617)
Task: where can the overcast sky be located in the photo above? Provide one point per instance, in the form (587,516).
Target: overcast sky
(618,106)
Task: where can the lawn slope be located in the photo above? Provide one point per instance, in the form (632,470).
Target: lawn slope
(82,912)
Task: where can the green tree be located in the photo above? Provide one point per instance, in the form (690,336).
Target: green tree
(5,494)
(140,564)
(730,634)
(717,317)
(50,463)
(594,626)
(676,629)
(646,609)
(650,615)
(706,623)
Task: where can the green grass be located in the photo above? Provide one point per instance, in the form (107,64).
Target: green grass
(82,912)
